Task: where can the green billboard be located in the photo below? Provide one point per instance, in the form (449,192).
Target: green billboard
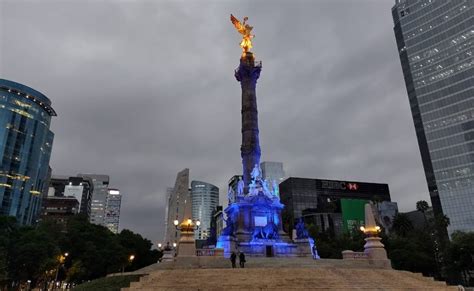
(353,213)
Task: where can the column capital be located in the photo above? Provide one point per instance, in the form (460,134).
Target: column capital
(248,69)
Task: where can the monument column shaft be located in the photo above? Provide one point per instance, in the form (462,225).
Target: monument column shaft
(247,74)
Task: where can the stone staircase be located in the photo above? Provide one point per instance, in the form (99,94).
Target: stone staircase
(279,274)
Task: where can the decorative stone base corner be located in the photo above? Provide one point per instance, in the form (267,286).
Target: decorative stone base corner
(228,244)
(303,247)
(374,253)
(186,245)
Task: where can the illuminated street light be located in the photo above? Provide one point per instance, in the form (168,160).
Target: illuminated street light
(186,229)
(61,260)
(187,224)
(130,260)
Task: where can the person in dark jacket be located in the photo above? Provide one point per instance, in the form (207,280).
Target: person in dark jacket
(242,260)
(233,258)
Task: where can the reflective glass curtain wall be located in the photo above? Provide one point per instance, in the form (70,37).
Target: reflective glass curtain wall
(205,198)
(435,44)
(100,190)
(25,150)
(112,213)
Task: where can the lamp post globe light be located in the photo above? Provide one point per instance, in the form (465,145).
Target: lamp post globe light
(187,245)
(61,260)
(129,261)
(373,247)
(187,225)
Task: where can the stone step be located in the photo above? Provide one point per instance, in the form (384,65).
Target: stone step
(286,279)
(219,262)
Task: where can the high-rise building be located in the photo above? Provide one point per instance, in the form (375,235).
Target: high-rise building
(205,198)
(169,192)
(435,44)
(322,201)
(232,184)
(272,171)
(179,206)
(79,187)
(100,191)
(59,208)
(112,210)
(25,149)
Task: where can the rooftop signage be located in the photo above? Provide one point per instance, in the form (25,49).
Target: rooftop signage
(339,185)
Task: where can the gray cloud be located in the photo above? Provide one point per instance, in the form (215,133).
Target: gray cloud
(146,88)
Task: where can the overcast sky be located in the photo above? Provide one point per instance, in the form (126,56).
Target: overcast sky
(144,89)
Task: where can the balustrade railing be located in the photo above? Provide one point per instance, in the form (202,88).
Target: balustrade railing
(209,252)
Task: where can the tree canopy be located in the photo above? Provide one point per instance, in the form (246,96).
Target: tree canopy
(78,252)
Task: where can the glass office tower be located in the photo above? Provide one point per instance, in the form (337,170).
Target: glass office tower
(272,172)
(205,198)
(100,191)
(112,210)
(435,44)
(25,149)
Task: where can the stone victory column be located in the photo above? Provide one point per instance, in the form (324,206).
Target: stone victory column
(254,223)
(247,74)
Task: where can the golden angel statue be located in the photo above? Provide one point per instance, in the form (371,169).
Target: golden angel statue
(244,29)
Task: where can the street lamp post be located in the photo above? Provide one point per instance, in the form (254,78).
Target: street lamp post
(130,260)
(61,259)
(187,245)
(374,249)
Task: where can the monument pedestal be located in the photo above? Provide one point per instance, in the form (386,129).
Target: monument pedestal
(186,245)
(228,244)
(254,227)
(304,247)
(376,252)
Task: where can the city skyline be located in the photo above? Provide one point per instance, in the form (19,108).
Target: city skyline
(145,96)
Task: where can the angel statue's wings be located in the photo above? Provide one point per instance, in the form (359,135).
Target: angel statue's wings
(239,26)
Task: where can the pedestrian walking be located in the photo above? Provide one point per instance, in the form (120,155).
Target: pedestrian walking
(242,260)
(233,258)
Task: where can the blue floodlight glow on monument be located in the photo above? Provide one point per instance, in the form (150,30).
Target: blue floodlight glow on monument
(253,224)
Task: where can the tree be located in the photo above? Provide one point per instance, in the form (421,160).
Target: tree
(412,253)
(77,272)
(37,253)
(7,227)
(136,245)
(96,247)
(402,225)
(423,206)
(31,254)
(331,246)
(460,255)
